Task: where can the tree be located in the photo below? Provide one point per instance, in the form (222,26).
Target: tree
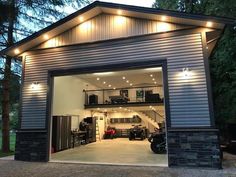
(223,58)
(14,15)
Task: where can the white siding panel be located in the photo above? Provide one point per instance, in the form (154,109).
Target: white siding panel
(188,98)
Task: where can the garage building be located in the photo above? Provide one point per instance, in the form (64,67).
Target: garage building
(98,83)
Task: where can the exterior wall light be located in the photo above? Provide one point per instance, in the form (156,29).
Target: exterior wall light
(186,73)
(35,86)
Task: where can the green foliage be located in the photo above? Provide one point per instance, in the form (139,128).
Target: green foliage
(12,144)
(223,73)
(223,58)
(14,117)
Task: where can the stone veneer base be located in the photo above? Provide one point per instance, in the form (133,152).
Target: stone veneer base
(186,147)
(194,148)
(31,146)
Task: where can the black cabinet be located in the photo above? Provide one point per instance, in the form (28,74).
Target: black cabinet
(93,99)
(61,133)
(151,97)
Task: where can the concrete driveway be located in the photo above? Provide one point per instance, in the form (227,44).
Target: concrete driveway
(10,168)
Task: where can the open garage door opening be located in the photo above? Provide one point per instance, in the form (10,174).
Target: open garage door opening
(115,117)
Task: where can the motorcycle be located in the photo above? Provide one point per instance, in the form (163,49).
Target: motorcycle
(137,132)
(158,142)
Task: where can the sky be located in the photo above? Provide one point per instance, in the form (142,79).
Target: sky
(143,3)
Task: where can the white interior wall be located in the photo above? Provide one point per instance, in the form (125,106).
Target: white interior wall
(68,98)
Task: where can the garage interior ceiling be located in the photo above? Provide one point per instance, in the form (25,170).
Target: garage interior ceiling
(124,79)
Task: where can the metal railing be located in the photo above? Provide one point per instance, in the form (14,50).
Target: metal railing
(145,94)
(154,115)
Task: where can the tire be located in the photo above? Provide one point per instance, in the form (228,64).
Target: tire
(142,137)
(156,149)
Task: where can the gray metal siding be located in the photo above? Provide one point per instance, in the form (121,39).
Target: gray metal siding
(188,98)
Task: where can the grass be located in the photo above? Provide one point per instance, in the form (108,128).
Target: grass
(12,145)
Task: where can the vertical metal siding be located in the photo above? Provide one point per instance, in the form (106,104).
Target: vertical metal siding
(188,98)
(97,29)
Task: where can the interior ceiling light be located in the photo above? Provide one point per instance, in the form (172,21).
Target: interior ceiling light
(114,88)
(153,69)
(130,84)
(120,107)
(98,79)
(209,24)
(104,73)
(104,82)
(123,77)
(127,81)
(16,51)
(119,12)
(163,18)
(109,85)
(153,79)
(151,75)
(155,82)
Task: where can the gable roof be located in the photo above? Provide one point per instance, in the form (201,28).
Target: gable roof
(98,7)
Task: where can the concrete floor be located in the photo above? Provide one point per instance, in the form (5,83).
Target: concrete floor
(117,151)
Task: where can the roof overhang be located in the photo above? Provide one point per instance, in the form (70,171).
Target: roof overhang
(97,8)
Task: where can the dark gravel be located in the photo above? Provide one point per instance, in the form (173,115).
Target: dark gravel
(10,168)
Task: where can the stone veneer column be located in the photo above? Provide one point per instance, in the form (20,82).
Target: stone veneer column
(194,148)
(31,146)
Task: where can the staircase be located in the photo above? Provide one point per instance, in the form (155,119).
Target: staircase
(151,117)
(154,115)
(98,137)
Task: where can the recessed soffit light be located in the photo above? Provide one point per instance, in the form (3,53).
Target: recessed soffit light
(81,18)
(45,36)
(163,18)
(209,24)
(119,12)
(16,51)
